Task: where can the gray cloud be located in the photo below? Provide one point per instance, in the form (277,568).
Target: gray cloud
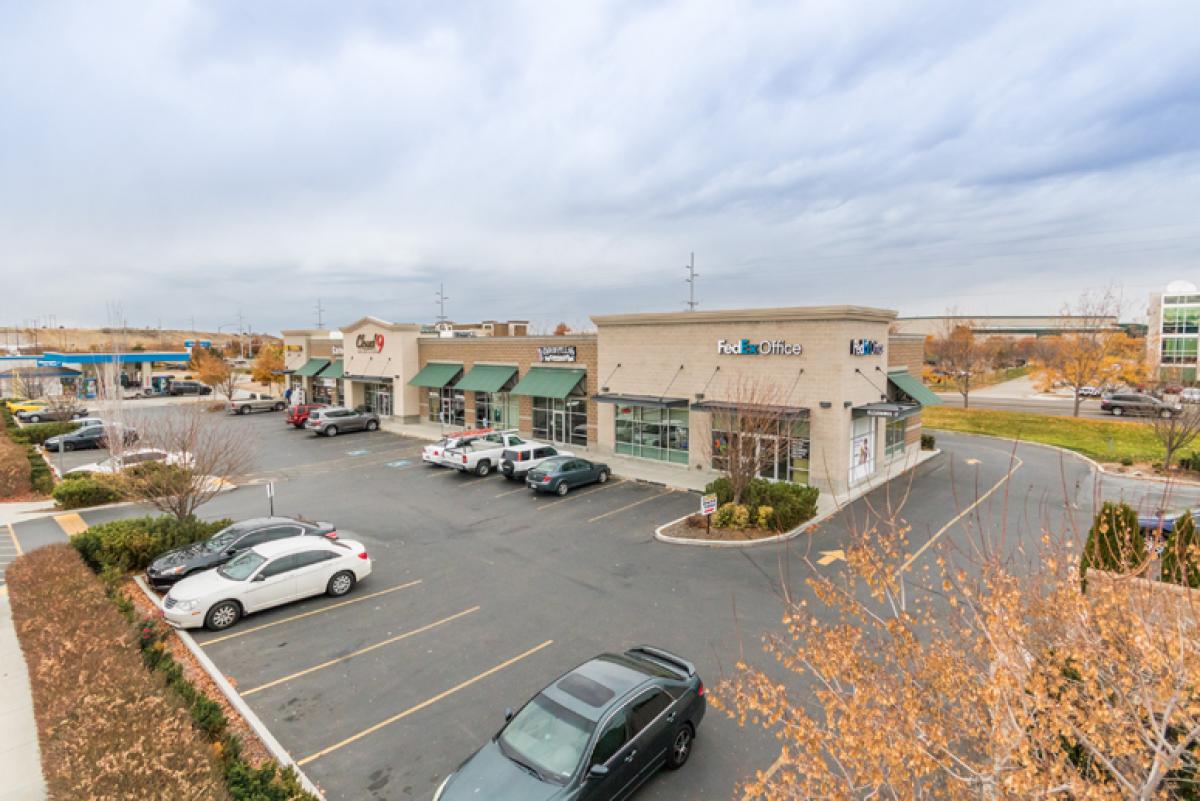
(553,160)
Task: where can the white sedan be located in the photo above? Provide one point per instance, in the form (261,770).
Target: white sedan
(264,576)
(115,464)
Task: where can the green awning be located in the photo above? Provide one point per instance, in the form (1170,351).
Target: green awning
(549,382)
(436,375)
(913,388)
(312,367)
(486,378)
(336,370)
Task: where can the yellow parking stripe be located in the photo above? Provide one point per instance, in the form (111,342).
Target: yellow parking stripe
(13,535)
(359,599)
(426,703)
(360,651)
(629,506)
(71,523)
(573,495)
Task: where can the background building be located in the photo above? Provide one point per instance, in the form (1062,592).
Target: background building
(1013,326)
(1173,339)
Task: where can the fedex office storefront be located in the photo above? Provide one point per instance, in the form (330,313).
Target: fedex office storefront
(828,408)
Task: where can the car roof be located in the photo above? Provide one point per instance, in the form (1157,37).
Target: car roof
(594,687)
(291,545)
(255,523)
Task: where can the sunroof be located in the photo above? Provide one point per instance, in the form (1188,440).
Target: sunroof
(590,691)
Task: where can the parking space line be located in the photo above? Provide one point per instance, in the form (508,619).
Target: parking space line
(71,523)
(359,599)
(426,703)
(630,505)
(521,488)
(12,533)
(449,471)
(585,493)
(360,651)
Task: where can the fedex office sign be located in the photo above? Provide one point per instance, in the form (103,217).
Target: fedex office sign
(768,347)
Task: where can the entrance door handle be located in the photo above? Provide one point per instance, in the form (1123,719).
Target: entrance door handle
(629,757)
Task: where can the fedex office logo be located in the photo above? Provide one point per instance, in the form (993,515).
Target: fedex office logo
(769,347)
(865,347)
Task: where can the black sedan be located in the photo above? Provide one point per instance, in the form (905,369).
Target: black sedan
(562,473)
(86,437)
(595,734)
(50,415)
(218,549)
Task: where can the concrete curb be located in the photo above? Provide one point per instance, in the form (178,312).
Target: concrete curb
(277,750)
(804,527)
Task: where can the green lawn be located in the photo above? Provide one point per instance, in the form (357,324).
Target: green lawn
(1100,439)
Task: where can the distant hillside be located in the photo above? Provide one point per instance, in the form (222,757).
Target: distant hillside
(101,339)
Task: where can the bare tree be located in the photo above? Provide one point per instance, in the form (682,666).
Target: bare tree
(206,453)
(960,354)
(1177,431)
(745,435)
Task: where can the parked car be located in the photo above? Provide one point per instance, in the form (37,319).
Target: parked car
(433,454)
(597,733)
(516,462)
(264,576)
(338,419)
(83,422)
(256,403)
(298,415)
(18,406)
(188,388)
(1190,395)
(227,543)
(115,464)
(87,437)
(560,473)
(482,455)
(1090,392)
(1138,404)
(48,414)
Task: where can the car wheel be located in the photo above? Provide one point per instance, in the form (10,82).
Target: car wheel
(222,616)
(1117,411)
(603,477)
(1164,414)
(245,410)
(340,584)
(298,425)
(681,747)
(483,468)
(33,418)
(563,488)
(279,407)
(331,431)
(372,425)
(67,446)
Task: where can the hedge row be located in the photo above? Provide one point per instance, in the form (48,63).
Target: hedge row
(133,543)
(106,727)
(79,491)
(38,433)
(772,505)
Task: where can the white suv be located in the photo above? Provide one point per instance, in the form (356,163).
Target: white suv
(515,462)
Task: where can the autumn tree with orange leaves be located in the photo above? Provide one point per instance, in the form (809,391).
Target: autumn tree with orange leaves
(989,677)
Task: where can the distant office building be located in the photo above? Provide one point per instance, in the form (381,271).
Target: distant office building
(1173,340)
(1014,326)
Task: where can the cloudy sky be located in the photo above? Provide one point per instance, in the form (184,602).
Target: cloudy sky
(552,160)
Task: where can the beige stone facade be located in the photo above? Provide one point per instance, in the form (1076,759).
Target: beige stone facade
(302,344)
(379,357)
(799,358)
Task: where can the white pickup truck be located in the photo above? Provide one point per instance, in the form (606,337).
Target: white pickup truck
(481,456)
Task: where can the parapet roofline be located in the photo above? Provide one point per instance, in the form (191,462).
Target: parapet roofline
(369,320)
(779,314)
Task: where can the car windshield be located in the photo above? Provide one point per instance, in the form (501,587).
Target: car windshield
(547,737)
(221,540)
(242,566)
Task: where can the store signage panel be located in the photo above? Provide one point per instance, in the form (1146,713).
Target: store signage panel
(557,353)
(767,347)
(293,348)
(337,350)
(866,347)
(365,342)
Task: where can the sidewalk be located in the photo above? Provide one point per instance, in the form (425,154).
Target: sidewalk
(20,760)
(15,512)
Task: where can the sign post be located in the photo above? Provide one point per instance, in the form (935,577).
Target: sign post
(271,496)
(708,507)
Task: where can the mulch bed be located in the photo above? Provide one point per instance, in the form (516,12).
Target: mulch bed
(682,530)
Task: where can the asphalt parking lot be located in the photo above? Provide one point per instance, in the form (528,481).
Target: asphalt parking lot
(482,594)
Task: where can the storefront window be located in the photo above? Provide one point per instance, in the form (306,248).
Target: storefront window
(561,420)
(895,437)
(653,433)
(862,449)
(780,448)
(495,409)
(434,397)
(378,398)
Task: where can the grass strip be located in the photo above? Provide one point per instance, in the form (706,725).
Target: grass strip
(1102,440)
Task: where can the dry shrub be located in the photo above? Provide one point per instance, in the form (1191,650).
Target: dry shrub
(14,469)
(106,726)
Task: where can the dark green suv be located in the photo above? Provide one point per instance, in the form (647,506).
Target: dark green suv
(595,734)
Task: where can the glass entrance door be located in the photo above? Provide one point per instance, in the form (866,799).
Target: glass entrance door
(558,426)
(384,399)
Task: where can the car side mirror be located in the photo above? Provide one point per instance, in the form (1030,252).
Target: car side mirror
(508,714)
(597,771)
(231,552)
(261,577)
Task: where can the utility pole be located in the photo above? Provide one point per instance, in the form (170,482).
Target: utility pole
(320,314)
(691,282)
(441,299)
